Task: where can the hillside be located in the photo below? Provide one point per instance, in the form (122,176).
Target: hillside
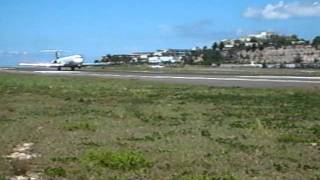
(290,54)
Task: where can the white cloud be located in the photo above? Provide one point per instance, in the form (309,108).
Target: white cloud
(282,10)
(240,32)
(13,53)
(200,30)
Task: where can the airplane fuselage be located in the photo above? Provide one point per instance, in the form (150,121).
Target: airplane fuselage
(70,61)
(74,61)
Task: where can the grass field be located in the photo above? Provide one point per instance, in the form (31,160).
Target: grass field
(92,128)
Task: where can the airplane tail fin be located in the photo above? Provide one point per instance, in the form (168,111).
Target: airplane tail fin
(57,55)
(56,52)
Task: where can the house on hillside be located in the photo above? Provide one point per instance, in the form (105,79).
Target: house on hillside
(163,59)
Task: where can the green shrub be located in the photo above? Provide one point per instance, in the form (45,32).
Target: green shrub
(290,138)
(206,177)
(234,143)
(60,172)
(316,130)
(206,133)
(64,159)
(240,125)
(115,160)
(281,167)
(80,126)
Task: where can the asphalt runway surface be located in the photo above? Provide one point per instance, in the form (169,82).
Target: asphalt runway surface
(195,79)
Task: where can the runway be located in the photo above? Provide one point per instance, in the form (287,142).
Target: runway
(197,79)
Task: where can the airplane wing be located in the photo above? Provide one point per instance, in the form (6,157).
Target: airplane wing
(41,64)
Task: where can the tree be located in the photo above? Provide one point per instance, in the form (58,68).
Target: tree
(196,53)
(316,42)
(242,46)
(298,59)
(212,56)
(187,60)
(106,58)
(261,47)
(254,40)
(215,46)
(221,46)
(254,47)
(294,37)
(264,64)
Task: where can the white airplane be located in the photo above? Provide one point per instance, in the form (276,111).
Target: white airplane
(74,61)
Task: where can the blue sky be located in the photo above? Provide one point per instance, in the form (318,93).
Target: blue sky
(98,27)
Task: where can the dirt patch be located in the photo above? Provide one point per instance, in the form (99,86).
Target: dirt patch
(20,161)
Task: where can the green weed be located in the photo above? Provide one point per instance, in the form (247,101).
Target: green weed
(79,126)
(118,160)
(64,159)
(234,143)
(281,167)
(55,172)
(208,177)
(291,138)
(316,130)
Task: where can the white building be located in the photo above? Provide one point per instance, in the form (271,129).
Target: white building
(249,44)
(142,55)
(228,44)
(163,59)
(263,35)
(172,52)
(245,39)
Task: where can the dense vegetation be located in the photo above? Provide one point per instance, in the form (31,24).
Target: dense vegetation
(316,42)
(92,128)
(219,53)
(214,55)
